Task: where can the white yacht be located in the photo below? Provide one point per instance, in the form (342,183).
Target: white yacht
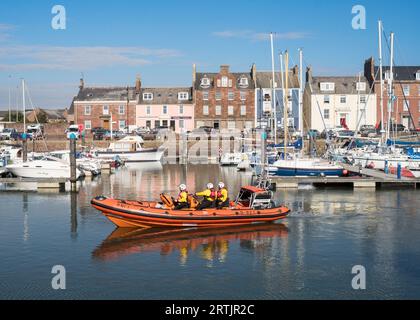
(130,149)
(91,165)
(48,167)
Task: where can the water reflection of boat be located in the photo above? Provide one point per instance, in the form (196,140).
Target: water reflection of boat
(123,241)
(144,166)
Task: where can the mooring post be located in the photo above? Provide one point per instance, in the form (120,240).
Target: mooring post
(24,147)
(73,176)
(399,171)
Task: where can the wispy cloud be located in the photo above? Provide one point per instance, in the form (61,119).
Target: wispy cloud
(22,57)
(259,36)
(5,30)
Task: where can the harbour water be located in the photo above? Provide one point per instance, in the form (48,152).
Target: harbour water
(309,255)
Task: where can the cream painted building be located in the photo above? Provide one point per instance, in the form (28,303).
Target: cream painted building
(338,102)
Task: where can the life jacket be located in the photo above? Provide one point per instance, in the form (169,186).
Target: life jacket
(213,195)
(183,196)
(209,195)
(221,196)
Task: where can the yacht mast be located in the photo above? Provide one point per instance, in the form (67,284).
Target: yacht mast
(301,96)
(24,105)
(286,100)
(358,103)
(381,81)
(390,88)
(273,87)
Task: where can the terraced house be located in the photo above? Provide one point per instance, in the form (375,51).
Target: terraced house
(331,102)
(98,107)
(406,86)
(264,102)
(224,100)
(166,107)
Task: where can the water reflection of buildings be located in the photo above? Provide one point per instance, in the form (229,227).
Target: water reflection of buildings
(210,244)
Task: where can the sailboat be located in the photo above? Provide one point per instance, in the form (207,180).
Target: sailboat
(293,164)
(389,152)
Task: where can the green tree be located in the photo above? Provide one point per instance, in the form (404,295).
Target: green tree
(14,117)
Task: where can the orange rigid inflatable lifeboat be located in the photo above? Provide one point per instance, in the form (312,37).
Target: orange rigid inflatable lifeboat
(253,205)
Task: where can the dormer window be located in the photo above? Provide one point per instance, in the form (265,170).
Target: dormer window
(182,95)
(418,75)
(327,86)
(361,86)
(205,82)
(147,96)
(243,82)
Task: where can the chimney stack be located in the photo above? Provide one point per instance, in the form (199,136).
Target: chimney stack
(224,69)
(309,74)
(82,84)
(194,72)
(138,84)
(295,70)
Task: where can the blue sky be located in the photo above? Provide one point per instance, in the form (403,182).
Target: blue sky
(112,41)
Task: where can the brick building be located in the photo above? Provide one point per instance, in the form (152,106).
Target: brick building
(406,86)
(224,99)
(95,106)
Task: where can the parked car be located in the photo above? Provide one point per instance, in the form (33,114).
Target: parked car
(325,133)
(97,129)
(313,134)
(345,134)
(8,134)
(73,130)
(116,134)
(35,131)
(368,131)
(142,130)
(99,133)
(397,127)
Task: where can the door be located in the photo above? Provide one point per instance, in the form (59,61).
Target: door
(216,125)
(172,125)
(406,122)
(105,124)
(157,123)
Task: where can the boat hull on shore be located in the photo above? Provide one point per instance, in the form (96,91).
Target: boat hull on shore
(129,214)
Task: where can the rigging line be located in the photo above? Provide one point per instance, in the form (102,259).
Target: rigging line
(36,117)
(402,90)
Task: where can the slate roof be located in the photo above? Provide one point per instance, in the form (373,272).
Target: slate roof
(405,73)
(165,96)
(264,79)
(343,85)
(105,94)
(212,75)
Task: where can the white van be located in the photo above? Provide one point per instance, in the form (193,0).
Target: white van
(35,131)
